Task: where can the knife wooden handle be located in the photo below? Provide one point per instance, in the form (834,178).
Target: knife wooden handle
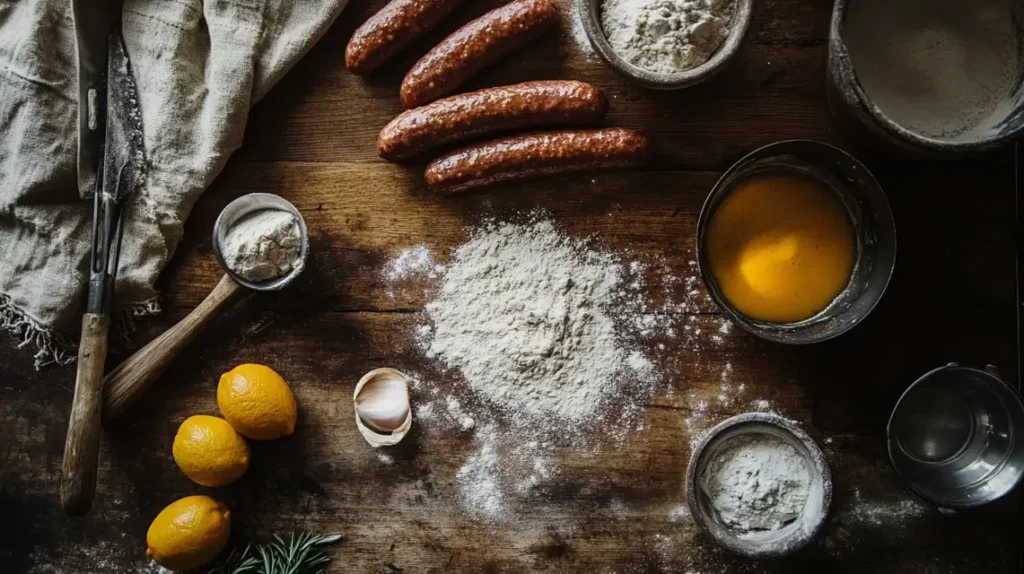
(81,447)
(130,380)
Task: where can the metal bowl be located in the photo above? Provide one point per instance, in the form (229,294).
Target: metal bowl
(957,436)
(852,105)
(872,222)
(760,544)
(590,15)
(243,206)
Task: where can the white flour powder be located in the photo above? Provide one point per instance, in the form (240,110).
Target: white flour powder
(523,313)
(757,482)
(542,327)
(410,262)
(666,36)
(940,68)
(262,245)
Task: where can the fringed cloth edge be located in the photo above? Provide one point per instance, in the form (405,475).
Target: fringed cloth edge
(55,347)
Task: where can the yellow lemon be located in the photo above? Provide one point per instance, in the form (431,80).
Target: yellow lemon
(257,402)
(209,451)
(188,533)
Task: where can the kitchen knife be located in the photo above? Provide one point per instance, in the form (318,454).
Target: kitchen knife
(114,165)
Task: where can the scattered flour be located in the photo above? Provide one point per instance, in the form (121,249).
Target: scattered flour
(680,514)
(479,478)
(877,513)
(504,470)
(98,557)
(666,36)
(757,483)
(412,261)
(424,412)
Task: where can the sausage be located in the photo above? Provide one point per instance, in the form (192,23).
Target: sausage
(475,46)
(489,111)
(392,28)
(538,153)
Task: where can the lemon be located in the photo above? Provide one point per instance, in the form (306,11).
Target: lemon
(257,402)
(188,533)
(209,451)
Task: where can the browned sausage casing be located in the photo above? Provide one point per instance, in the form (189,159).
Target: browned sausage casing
(394,27)
(489,111)
(539,153)
(475,46)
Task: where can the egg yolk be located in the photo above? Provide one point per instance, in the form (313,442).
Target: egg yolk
(781,247)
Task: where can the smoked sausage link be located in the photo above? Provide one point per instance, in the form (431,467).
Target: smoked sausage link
(489,111)
(475,46)
(534,154)
(394,27)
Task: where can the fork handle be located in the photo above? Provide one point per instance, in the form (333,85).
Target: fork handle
(81,447)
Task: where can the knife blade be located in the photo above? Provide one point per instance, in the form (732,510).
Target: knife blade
(94,22)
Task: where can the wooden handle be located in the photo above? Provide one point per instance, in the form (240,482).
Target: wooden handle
(81,448)
(130,380)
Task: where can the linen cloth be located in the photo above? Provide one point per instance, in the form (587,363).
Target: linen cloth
(199,66)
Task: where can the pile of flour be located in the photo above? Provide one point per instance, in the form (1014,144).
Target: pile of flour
(536,333)
(757,482)
(666,36)
(943,69)
(263,245)
(524,314)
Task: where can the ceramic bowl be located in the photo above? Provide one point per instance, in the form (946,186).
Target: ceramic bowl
(590,15)
(873,225)
(769,543)
(853,107)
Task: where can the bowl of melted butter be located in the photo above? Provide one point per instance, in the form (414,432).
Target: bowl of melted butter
(796,242)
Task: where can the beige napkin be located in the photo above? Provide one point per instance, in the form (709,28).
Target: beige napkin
(199,65)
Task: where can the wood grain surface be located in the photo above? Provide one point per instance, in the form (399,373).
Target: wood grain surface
(605,509)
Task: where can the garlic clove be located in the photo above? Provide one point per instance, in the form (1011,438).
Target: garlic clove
(383,412)
(383,402)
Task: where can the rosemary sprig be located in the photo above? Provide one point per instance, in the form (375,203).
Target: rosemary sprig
(300,554)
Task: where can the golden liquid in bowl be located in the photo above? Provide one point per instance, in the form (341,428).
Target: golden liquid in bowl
(781,247)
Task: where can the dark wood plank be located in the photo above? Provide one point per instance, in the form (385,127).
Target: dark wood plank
(612,507)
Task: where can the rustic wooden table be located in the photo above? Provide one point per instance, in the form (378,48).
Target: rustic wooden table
(611,510)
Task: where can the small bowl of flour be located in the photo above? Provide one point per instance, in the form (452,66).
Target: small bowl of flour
(666,44)
(260,241)
(759,485)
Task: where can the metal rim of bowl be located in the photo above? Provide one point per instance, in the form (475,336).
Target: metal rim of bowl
(590,15)
(892,447)
(816,459)
(259,202)
(772,331)
(850,81)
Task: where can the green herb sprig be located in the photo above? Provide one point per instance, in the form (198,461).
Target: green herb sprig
(300,554)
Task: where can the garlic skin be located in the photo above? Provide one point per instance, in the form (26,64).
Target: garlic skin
(382,407)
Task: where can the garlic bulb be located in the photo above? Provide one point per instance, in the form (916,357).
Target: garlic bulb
(383,413)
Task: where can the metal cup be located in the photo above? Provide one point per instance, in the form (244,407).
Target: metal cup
(957,436)
(246,205)
(760,544)
(869,212)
